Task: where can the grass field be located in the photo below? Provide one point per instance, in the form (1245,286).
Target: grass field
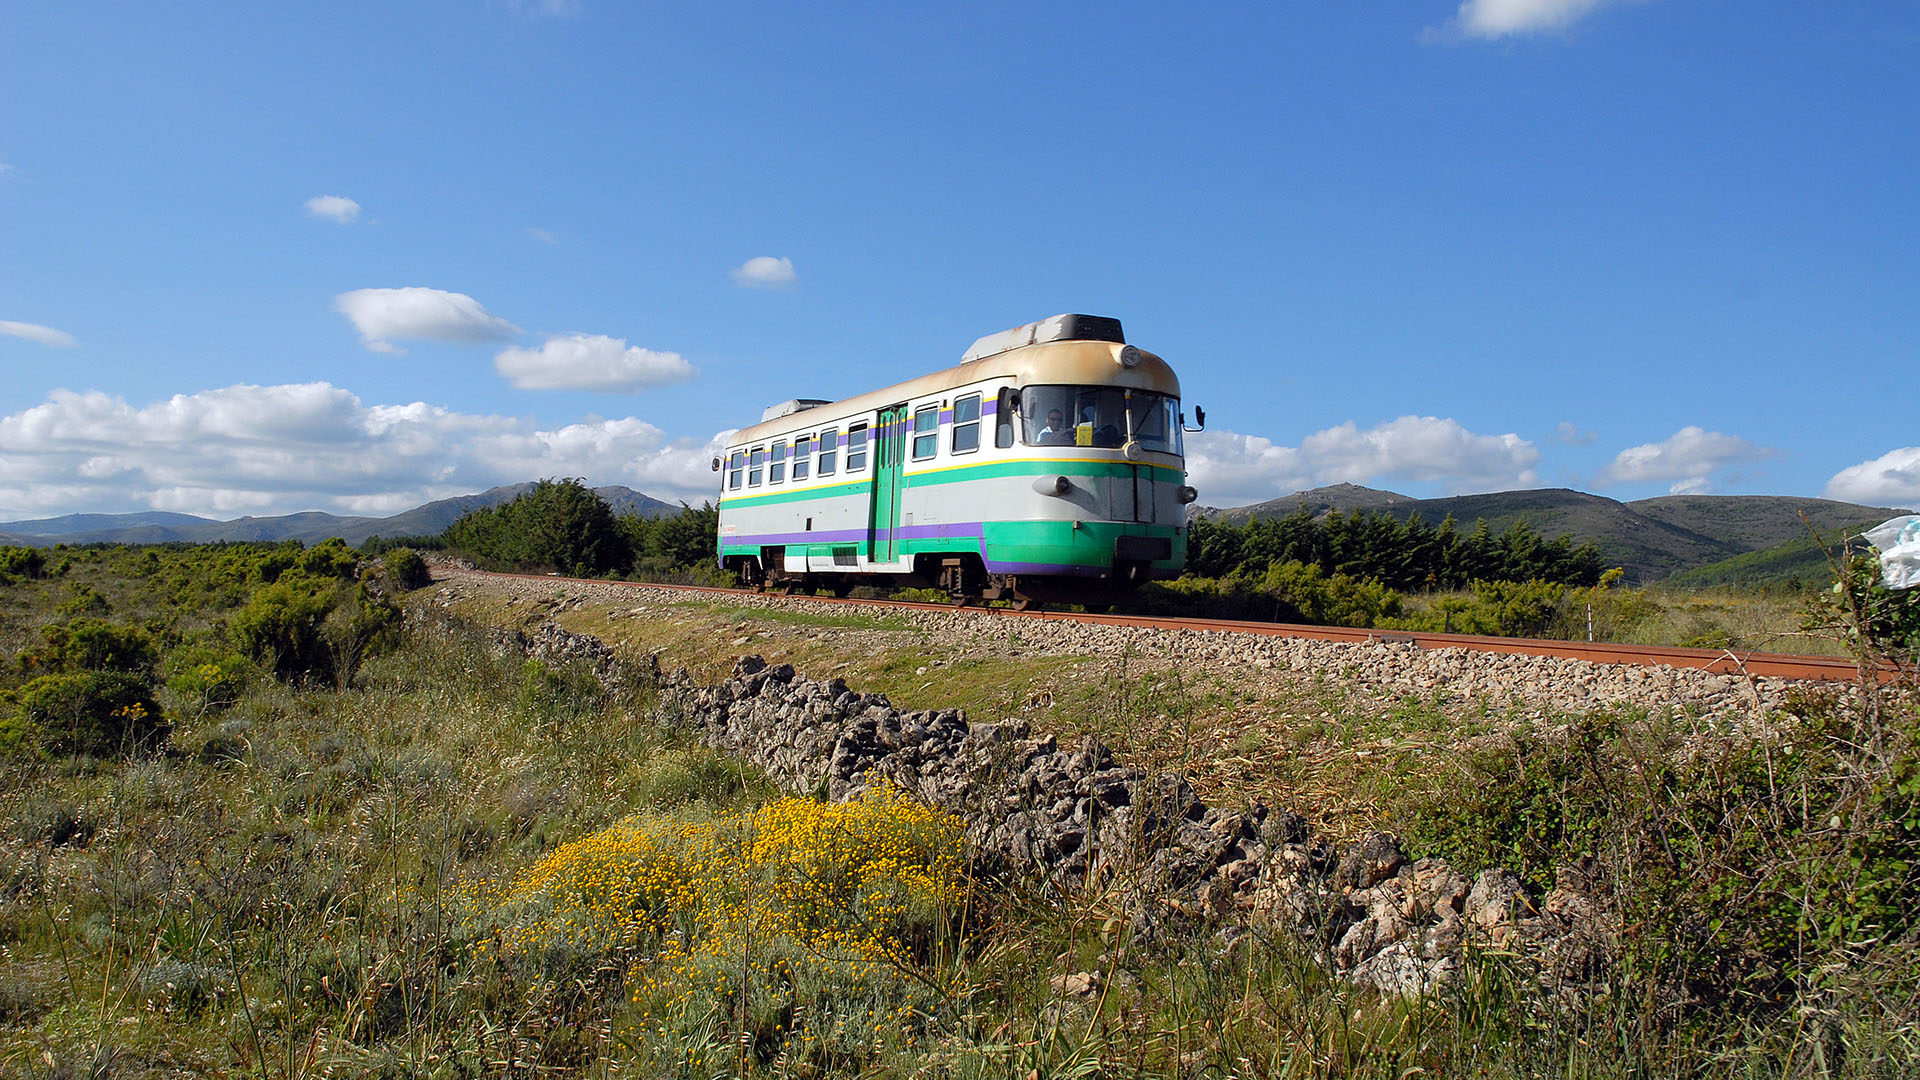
(456,863)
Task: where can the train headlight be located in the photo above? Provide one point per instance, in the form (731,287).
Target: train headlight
(1188,495)
(1128,356)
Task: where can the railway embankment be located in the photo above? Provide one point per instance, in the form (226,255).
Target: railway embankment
(1542,684)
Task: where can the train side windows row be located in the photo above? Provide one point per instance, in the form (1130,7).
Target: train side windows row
(819,456)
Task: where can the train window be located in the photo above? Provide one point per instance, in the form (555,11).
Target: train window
(756,464)
(802,455)
(966,424)
(1101,416)
(734,464)
(829,450)
(856,448)
(926,432)
(777,462)
(1004,411)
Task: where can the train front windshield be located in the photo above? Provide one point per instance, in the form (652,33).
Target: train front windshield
(1105,416)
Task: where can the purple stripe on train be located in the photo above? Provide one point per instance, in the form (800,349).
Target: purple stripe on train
(824,536)
(970,530)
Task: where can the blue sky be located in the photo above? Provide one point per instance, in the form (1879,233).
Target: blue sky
(352,257)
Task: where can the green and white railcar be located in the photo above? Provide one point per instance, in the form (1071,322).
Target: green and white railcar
(1047,464)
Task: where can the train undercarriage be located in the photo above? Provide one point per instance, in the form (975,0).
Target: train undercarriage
(963,578)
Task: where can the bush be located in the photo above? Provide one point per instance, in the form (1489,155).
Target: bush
(97,713)
(405,569)
(92,645)
(1747,868)
(304,628)
(207,676)
(797,909)
(21,562)
(280,626)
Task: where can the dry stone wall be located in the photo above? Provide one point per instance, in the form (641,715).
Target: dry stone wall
(1076,820)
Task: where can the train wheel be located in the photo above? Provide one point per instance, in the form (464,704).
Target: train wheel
(751,575)
(961,580)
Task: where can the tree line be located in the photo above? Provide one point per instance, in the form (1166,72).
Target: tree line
(1407,555)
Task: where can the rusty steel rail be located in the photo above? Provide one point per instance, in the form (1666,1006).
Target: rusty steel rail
(1716,661)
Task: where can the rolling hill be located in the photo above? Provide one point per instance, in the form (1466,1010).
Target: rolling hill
(309,527)
(1652,539)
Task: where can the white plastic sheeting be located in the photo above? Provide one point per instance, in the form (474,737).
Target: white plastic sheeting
(1899,544)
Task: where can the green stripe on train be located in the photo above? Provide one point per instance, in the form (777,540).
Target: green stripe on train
(1059,543)
(986,470)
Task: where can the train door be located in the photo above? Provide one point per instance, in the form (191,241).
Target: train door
(890,444)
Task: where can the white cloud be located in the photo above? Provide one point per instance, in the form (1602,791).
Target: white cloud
(1688,461)
(1489,19)
(541,235)
(6,170)
(591,362)
(765,272)
(420,313)
(1892,479)
(45,335)
(312,446)
(335,208)
(1230,468)
(1568,433)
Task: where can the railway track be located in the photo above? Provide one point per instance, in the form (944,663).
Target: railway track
(1715,661)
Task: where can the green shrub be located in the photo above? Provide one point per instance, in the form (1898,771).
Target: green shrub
(1328,599)
(329,558)
(21,562)
(83,599)
(405,569)
(305,628)
(97,713)
(1746,867)
(280,626)
(92,645)
(207,676)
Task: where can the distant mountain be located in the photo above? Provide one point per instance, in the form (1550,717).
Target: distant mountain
(1754,522)
(310,527)
(1345,498)
(433,518)
(1651,539)
(71,524)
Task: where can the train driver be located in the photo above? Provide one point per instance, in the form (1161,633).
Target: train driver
(1056,433)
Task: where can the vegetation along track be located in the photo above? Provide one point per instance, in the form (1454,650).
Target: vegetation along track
(1729,662)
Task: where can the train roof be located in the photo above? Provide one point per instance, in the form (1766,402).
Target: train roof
(1075,361)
